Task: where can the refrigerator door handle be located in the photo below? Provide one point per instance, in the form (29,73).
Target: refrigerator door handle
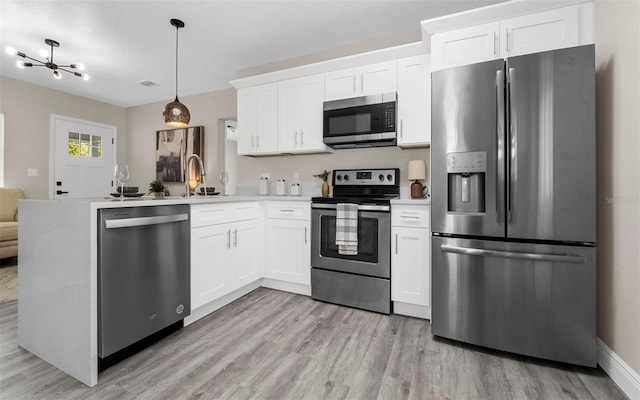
(513,146)
(512,254)
(500,105)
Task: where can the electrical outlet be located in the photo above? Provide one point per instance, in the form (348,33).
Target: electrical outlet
(265,175)
(296,177)
(32,171)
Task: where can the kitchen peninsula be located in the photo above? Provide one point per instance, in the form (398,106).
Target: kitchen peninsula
(57,283)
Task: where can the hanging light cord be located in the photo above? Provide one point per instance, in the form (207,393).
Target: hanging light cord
(177,27)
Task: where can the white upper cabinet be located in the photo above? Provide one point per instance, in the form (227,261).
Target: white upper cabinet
(414,101)
(465,46)
(258,120)
(525,34)
(549,30)
(300,115)
(361,81)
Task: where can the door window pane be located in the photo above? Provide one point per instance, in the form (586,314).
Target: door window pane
(84,145)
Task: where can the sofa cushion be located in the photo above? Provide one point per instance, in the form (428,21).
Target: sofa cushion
(9,203)
(8,231)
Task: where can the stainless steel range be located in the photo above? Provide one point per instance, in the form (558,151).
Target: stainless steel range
(360,278)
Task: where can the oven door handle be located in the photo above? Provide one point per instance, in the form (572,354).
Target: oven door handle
(361,207)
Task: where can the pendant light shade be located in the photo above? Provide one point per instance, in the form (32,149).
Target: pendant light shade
(175,113)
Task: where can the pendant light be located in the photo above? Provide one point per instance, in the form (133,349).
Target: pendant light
(175,113)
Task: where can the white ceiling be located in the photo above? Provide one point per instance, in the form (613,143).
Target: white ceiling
(124,42)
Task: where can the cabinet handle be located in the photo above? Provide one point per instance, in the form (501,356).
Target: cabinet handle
(305,235)
(362,83)
(301,137)
(257,141)
(229,239)
(495,43)
(235,238)
(401,127)
(506,31)
(285,210)
(354,83)
(295,138)
(253,141)
(396,243)
(409,217)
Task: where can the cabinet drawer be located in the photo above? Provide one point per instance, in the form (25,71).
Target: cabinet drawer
(289,210)
(411,216)
(211,214)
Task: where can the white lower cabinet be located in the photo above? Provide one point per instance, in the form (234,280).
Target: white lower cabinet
(288,245)
(411,260)
(225,256)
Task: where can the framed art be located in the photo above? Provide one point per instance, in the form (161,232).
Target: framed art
(173,146)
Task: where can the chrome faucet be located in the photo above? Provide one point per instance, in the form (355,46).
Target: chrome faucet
(187,192)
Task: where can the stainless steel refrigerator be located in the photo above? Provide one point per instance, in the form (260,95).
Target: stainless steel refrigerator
(513,205)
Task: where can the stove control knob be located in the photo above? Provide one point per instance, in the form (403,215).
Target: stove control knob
(339,177)
(381,177)
(389,177)
(346,177)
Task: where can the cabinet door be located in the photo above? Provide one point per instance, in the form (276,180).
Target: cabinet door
(340,84)
(414,101)
(410,261)
(245,260)
(378,78)
(210,247)
(533,33)
(247,110)
(266,119)
(288,99)
(465,46)
(310,113)
(288,252)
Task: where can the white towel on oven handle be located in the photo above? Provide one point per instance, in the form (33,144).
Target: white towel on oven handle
(347,228)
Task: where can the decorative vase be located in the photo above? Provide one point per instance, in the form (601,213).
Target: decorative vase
(325,189)
(158,194)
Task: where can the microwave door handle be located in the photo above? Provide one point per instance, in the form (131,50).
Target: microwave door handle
(500,125)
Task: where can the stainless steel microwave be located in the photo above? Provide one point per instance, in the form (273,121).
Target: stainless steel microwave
(366,121)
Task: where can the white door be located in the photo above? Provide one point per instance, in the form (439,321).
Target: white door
(82,159)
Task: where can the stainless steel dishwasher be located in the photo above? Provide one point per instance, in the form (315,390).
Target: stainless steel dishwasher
(143,273)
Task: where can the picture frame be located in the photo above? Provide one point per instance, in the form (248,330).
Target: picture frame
(173,146)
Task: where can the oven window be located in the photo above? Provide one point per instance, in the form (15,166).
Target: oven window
(367,239)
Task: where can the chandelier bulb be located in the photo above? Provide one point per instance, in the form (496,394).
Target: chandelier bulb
(57,74)
(85,77)
(80,66)
(20,64)
(44,53)
(11,51)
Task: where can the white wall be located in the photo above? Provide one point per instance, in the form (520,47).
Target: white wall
(617,37)
(26,109)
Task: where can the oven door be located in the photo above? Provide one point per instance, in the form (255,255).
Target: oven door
(374,241)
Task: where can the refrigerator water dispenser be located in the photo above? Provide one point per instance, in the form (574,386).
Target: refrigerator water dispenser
(466,182)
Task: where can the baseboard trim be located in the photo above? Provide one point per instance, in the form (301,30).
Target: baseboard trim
(217,304)
(291,287)
(412,310)
(619,371)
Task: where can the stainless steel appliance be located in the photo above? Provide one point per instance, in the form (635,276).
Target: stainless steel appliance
(362,280)
(513,205)
(143,273)
(360,122)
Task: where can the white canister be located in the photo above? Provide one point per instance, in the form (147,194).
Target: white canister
(281,187)
(263,186)
(294,189)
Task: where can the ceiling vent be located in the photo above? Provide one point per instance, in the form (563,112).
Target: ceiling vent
(147,83)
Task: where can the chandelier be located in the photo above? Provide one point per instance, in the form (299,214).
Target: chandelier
(175,113)
(49,62)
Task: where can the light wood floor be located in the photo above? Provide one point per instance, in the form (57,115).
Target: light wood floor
(277,345)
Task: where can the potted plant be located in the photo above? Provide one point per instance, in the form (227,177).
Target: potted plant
(325,185)
(157,188)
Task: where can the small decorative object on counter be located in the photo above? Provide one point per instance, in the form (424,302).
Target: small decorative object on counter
(295,190)
(281,187)
(157,188)
(325,185)
(417,171)
(263,186)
